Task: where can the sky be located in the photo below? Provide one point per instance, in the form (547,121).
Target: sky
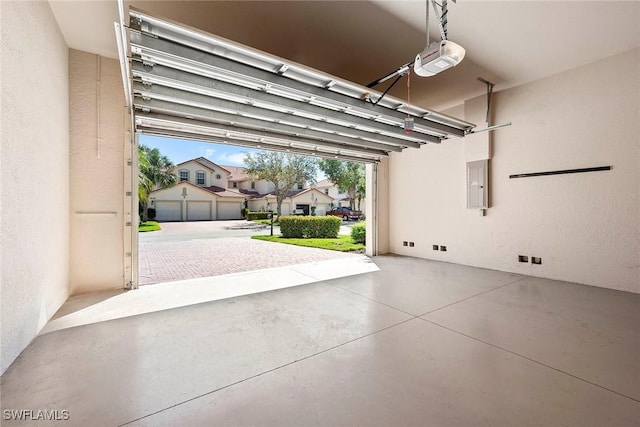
(180,150)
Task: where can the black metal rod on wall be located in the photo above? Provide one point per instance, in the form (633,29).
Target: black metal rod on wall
(561,172)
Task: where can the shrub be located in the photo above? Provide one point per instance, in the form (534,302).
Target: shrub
(149,226)
(257,215)
(324,227)
(359,233)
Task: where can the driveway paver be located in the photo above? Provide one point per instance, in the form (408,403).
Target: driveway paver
(190,250)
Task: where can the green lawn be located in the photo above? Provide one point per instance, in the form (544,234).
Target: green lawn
(149,226)
(343,243)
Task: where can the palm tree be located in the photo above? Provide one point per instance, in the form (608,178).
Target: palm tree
(154,173)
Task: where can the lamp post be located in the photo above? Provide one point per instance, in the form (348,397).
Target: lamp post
(271,217)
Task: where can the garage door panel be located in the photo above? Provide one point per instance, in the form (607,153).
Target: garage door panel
(198,211)
(325,115)
(229,210)
(168,210)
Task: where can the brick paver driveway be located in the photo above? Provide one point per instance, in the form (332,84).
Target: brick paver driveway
(187,250)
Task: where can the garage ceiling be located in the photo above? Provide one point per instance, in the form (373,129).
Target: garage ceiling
(186,83)
(507,42)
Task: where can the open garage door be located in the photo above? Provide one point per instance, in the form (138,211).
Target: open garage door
(198,211)
(168,210)
(185,83)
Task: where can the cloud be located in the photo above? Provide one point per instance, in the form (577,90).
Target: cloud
(236,159)
(208,153)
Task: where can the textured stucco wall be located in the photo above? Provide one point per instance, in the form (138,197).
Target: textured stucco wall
(210,176)
(97,172)
(379,212)
(175,193)
(35,173)
(585,227)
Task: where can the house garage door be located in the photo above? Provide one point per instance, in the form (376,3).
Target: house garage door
(198,211)
(168,211)
(229,210)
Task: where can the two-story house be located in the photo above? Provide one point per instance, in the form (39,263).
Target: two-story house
(202,194)
(301,198)
(207,191)
(341,197)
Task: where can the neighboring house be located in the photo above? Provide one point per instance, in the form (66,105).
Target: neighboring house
(239,180)
(207,191)
(202,172)
(297,199)
(200,195)
(261,194)
(341,198)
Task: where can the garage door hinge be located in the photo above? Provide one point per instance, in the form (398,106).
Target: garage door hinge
(148,64)
(128,254)
(128,193)
(128,224)
(129,162)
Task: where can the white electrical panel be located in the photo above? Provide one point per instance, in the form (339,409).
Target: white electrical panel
(477,184)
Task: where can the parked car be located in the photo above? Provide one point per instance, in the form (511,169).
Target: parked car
(345,213)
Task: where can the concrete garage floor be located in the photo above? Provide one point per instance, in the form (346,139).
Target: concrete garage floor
(417,343)
(188,250)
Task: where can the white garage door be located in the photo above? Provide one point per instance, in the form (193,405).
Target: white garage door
(198,211)
(229,210)
(168,211)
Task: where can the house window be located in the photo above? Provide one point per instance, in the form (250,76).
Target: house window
(200,178)
(299,186)
(235,184)
(253,185)
(218,176)
(184,176)
(326,191)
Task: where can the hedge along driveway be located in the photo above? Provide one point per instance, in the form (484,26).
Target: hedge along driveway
(310,226)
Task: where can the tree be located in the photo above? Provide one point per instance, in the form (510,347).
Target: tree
(361,189)
(283,170)
(154,173)
(349,177)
